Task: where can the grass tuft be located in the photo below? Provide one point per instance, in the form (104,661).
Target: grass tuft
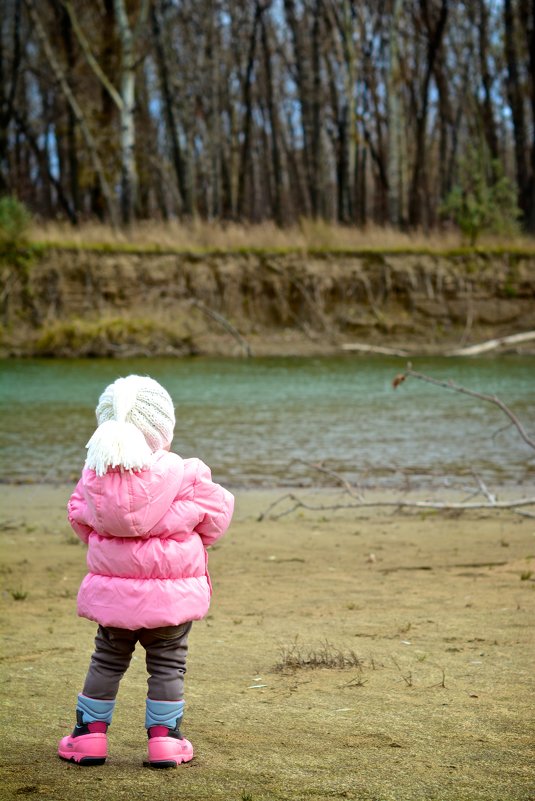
(296,657)
(18,595)
(113,336)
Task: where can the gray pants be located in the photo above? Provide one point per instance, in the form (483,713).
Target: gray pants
(166,649)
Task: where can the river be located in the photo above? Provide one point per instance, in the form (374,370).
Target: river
(265,422)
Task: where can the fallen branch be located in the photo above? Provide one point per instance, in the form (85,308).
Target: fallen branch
(442,506)
(492,344)
(491,498)
(362,348)
(471,350)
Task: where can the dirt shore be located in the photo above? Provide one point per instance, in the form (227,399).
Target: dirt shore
(362,656)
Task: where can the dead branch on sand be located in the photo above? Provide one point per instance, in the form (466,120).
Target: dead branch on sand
(290,502)
(397,505)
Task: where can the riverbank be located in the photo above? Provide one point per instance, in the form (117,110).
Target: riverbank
(101,301)
(356,656)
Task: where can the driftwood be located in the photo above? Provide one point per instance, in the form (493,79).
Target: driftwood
(493,344)
(471,350)
(443,506)
(363,348)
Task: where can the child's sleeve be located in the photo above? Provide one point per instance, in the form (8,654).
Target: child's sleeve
(214,502)
(77,513)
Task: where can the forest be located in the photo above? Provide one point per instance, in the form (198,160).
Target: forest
(392,112)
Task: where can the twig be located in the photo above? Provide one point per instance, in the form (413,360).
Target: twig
(225,323)
(444,567)
(469,321)
(271,506)
(491,498)
(472,393)
(408,678)
(440,683)
(341,480)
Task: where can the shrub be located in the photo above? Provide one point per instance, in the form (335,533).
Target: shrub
(15,222)
(484,199)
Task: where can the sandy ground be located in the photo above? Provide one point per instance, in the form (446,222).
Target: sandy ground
(410,636)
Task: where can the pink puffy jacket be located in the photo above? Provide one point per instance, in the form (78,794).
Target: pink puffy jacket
(147,533)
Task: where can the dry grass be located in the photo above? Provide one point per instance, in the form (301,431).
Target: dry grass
(439,710)
(326,656)
(308,235)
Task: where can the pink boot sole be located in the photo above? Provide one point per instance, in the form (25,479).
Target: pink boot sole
(88,749)
(168,752)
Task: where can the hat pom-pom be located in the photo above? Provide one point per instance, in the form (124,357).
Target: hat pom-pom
(117,444)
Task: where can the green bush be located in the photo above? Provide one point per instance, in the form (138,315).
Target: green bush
(484,198)
(15,222)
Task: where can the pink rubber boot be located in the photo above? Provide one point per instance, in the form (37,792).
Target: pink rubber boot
(167,747)
(87,745)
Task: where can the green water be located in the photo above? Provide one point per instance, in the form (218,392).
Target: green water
(256,421)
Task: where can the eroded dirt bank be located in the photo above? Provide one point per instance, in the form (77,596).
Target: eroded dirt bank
(82,302)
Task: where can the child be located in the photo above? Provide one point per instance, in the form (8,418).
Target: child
(147,516)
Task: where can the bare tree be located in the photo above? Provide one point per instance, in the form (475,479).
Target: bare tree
(303,108)
(76,109)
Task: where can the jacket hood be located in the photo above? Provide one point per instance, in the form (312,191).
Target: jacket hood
(123,503)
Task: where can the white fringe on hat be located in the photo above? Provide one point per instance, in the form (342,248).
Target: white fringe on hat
(117,444)
(136,417)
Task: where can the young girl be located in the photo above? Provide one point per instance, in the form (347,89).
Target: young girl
(147,516)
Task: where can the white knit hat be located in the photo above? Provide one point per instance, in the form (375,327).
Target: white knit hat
(127,408)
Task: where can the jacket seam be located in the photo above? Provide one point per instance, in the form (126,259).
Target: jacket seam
(145,578)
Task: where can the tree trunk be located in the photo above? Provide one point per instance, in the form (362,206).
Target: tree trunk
(127,135)
(44,165)
(302,78)
(8,90)
(394,120)
(419,176)
(487,112)
(245,159)
(274,125)
(514,92)
(315,158)
(169,111)
(527,11)
(72,152)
